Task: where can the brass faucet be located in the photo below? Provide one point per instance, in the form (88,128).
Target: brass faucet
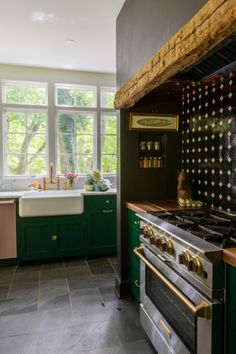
(45,182)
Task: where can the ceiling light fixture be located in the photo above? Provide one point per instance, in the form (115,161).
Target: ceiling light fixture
(70,42)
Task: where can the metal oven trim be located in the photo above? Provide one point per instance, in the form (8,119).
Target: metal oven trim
(174,343)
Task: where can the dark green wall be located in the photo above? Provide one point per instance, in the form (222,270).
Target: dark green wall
(143,26)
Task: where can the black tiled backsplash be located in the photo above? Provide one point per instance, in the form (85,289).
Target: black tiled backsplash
(209,140)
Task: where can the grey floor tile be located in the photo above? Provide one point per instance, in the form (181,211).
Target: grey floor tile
(76,339)
(22,323)
(22,344)
(65,273)
(54,294)
(24,277)
(3,292)
(74,262)
(100,266)
(108,294)
(54,318)
(96,281)
(6,276)
(139,347)
(34,266)
(22,290)
(18,305)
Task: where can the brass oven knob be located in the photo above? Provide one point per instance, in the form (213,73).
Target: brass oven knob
(169,247)
(158,242)
(163,245)
(145,230)
(150,231)
(152,240)
(195,265)
(184,258)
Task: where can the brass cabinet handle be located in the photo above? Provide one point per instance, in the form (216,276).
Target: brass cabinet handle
(202,310)
(54,237)
(136,283)
(107,211)
(107,201)
(136,222)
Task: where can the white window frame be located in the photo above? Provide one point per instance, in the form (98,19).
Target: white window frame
(115,114)
(19,107)
(4,133)
(76,112)
(78,87)
(106,89)
(25,84)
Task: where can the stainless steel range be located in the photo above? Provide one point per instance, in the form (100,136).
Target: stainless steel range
(182,279)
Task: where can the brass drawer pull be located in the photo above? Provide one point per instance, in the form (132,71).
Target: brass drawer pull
(107,211)
(107,201)
(54,237)
(136,222)
(202,310)
(136,283)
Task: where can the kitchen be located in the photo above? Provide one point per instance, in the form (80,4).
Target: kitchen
(137,24)
(157,83)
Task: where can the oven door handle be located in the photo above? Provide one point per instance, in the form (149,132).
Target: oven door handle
(202,310)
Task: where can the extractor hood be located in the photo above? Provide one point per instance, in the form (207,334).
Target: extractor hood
(204,46)
(219,60)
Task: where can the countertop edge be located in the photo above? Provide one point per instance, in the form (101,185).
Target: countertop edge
(18,194)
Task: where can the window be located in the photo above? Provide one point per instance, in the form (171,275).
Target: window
(24,93)
(75,141)
(76,96)
(109,143)
(83,126)
(25,142)
(107,97)
(24,128)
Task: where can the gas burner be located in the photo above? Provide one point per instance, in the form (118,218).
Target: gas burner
(209,225)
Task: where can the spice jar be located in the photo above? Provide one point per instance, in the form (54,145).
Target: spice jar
(145,162)
(157,145)
(149,145)
(142,145)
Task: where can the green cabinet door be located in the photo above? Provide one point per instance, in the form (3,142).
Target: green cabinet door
(70,236)
(102,222)
(102,232)
(134,262)
(36,240)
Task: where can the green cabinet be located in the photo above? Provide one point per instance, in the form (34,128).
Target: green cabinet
(101,222)
(134,263)
(50,237)
(91,233)
(34,240)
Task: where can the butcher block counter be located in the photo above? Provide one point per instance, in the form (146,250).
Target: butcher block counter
(229,255)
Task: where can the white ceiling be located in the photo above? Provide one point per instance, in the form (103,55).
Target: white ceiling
(33,33)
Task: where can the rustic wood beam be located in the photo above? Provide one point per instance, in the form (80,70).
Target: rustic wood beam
(205,31)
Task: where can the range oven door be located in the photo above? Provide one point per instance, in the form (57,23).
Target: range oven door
(177,318)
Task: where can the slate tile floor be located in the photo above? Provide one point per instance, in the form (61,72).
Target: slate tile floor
(67,307)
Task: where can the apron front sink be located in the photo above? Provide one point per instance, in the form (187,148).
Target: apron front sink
(48,203)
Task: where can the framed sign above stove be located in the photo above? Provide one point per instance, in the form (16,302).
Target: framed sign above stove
(153,122)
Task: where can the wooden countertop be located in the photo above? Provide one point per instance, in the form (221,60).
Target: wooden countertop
(229,255)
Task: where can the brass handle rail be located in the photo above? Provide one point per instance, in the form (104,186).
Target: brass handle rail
(202,310)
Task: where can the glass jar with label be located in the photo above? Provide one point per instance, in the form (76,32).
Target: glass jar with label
(149,145)
(145,162)
(157,145)
(142,145)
